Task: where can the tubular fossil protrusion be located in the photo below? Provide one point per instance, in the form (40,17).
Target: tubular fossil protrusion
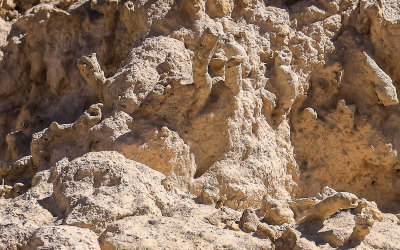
(90,69)
(44,141)
(329,206)
(201,77)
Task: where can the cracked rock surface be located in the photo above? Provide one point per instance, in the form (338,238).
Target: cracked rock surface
(199,124)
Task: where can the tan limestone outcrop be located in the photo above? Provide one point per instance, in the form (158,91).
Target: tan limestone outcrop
(199,124)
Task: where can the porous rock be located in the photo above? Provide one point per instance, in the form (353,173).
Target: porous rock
(199,123)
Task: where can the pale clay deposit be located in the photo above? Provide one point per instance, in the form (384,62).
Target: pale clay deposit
(199,124)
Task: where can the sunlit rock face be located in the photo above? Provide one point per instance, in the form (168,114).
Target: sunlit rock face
(189,124)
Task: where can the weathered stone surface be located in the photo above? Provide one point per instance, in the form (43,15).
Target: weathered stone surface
(19,218)
(208,124)
(63,237)
(101,187)
(171,233)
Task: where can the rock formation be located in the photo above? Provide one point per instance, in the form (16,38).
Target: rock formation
(199,124)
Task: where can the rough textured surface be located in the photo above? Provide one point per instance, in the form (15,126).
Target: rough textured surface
(199,124)
(63,237)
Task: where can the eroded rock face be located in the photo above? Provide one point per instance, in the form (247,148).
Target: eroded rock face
(19,219)
(184,233)
(63,237)
(204,124)
(99,188)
